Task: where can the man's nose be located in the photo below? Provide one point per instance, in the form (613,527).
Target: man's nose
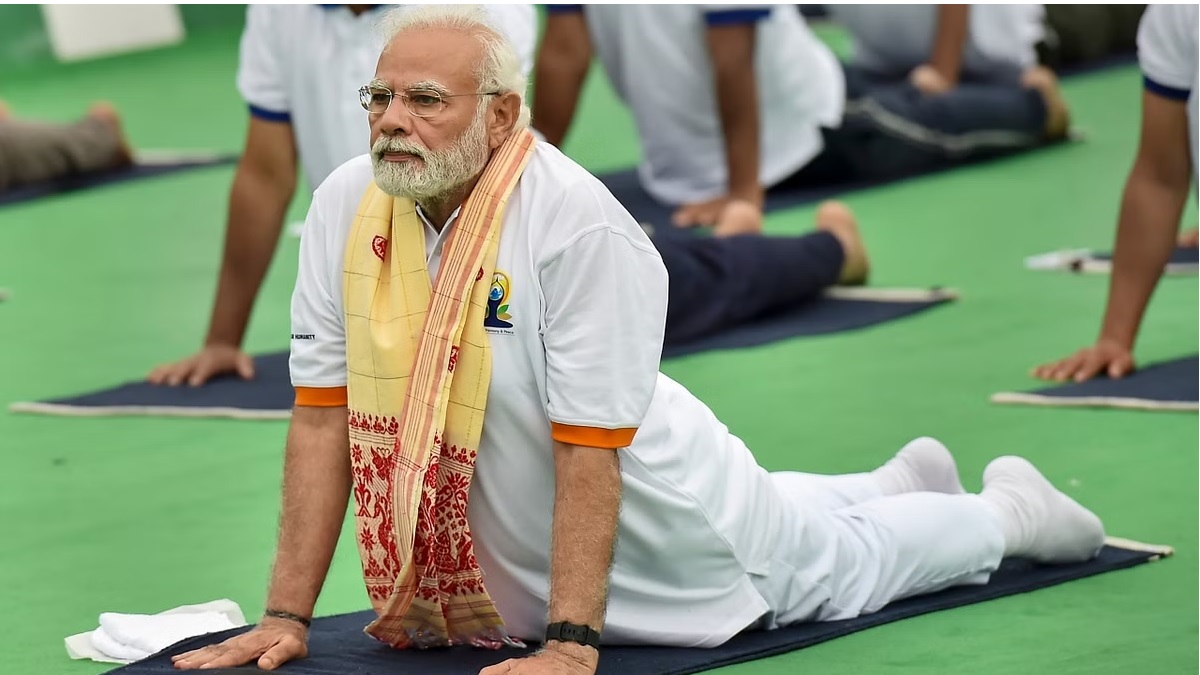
(397,120)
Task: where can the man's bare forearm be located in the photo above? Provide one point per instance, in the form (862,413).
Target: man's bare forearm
(946,53)
(562,66)
(316,491)
(1150,213)
(257,205)
(732,51)
(587,500)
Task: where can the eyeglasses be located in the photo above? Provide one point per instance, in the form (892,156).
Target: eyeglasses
(376,99)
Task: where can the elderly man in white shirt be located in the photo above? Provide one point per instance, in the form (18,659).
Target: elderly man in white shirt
(298,70)
(477,326)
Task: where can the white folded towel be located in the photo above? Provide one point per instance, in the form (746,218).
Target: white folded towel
(124,638)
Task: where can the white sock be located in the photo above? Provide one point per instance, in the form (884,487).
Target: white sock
(924,465)
(1038,521)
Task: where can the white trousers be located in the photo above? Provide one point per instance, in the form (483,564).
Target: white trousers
(844,549)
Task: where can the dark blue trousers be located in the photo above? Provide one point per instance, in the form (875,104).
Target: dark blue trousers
(891,130)
(716,283)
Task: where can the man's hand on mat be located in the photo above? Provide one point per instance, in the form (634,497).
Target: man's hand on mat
(210,362)
(728,216)
(273,643)
(928,80)
(702,214)
(1189,238)
(555,659)
(1106,356)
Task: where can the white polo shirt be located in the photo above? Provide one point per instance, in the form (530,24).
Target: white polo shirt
(658,61)
(894,39)
(1167,51)
(304,64)
(587,296)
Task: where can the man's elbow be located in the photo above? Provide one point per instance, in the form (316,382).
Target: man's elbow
(563,63)
(270,177)
(1161,176)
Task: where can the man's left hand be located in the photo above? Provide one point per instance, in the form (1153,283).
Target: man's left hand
(550,661)
(702,214)
(728,216)
(928,80)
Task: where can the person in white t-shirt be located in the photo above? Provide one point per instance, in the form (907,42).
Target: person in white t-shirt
(1157,189)
(937,46)
(608,505)
(732,100)
(299,68)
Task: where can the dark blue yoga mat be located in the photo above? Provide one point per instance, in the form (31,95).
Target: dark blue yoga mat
(822,316)
(1170,385)
(269,395)
(337,645)
(1182,261)
(625,186)
(93,180)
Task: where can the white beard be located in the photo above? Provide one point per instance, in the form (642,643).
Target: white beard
(439,172)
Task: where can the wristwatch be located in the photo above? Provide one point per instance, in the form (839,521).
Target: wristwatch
(571,632)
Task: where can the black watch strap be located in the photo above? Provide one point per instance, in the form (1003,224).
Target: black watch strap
(570,632)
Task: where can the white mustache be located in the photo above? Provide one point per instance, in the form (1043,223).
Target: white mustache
(385,145)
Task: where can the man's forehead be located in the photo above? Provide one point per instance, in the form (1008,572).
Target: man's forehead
(428,56)
(397,85)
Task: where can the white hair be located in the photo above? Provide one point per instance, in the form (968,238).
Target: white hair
(500,70)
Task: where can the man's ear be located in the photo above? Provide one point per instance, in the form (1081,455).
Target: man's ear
(502,117)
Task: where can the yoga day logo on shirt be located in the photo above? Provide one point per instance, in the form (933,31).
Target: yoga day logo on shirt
(497,305)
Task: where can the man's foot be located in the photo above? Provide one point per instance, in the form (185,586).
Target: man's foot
(106,113)
(1058,115)
(837,219)
(924,465)
(1039,522)
(1189,238)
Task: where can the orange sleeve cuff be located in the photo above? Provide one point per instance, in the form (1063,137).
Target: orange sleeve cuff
(592,437)
(321,397)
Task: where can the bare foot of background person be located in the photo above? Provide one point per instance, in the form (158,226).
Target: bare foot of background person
(837,219)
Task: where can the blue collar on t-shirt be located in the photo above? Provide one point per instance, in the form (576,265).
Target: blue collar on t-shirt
(371,8)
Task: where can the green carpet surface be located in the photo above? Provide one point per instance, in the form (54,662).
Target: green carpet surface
(140,515)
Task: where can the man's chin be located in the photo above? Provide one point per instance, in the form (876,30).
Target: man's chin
(416,194)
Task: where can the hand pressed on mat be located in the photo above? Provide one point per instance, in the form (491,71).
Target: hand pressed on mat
(555,659)
(1106,356)
(213,360)
(727,215)
(272,643)
(928,80)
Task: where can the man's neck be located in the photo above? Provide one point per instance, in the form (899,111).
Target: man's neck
(438,210)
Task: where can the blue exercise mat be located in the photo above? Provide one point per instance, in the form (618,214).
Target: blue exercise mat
(1183,262)
(1170,385)
(625,186)
(98,179)
(842,310)
(337,645)
(269,395)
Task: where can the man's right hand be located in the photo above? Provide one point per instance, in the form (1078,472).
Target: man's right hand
(1106,356)
(272,643)
(210,362)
